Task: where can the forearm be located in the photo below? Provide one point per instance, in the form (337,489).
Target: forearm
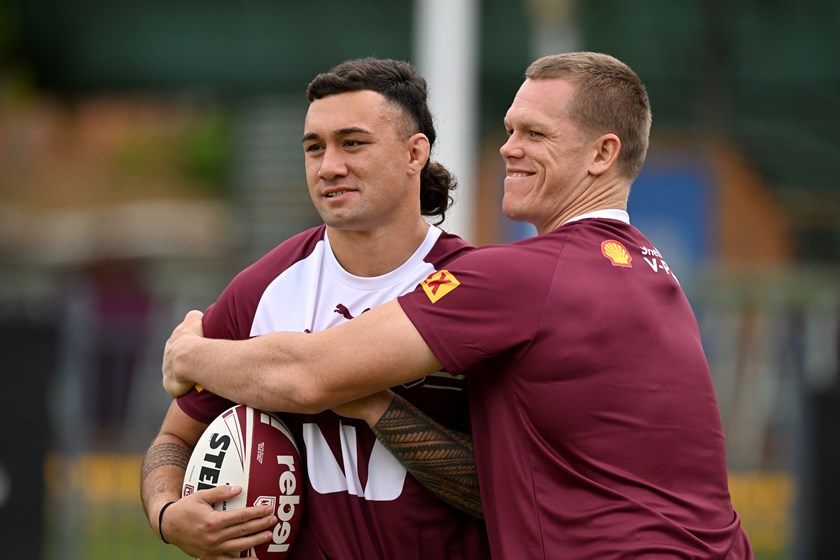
(297,372)
(441,459)
(265,372)
(161,475)
(247,372)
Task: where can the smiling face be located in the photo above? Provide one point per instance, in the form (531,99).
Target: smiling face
(546,155)
(361,163)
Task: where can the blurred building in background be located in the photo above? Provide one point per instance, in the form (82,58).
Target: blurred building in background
(150,150)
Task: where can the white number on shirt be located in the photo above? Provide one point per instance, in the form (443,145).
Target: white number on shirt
(385,474)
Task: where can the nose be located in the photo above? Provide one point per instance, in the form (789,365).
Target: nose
(511,148)
(332,165)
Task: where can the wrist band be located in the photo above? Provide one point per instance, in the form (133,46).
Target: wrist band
(160,521)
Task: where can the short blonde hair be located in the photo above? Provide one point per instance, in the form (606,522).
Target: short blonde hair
(609,97)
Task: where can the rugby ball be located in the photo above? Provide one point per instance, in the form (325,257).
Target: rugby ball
(255,450)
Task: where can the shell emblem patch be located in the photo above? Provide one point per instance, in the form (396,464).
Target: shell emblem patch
(438,284)
(616,253)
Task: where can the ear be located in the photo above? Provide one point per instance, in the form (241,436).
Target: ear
(418,152)
(607,147)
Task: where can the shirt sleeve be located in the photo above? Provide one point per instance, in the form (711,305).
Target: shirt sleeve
(485,304)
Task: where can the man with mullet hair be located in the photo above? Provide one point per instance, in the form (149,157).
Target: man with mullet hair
(391,476)
(595,425)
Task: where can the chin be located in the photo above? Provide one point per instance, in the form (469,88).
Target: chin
(511,211)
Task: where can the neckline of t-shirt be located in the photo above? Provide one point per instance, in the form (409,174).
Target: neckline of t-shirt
(609,213)
(333,267)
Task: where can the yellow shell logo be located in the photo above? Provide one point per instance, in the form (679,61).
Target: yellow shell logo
(616,253)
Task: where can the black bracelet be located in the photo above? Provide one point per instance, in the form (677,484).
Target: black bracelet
(160,521)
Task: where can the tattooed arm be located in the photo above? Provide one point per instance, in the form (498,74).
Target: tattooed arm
(441,459)
(191,523)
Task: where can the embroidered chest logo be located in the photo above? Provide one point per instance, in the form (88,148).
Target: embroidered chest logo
(438,284)
(617,253)
(342,310)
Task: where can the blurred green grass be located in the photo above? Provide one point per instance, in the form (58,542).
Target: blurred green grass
(93,510)
(115,532)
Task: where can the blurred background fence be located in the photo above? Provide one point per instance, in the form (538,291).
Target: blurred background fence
(150,150)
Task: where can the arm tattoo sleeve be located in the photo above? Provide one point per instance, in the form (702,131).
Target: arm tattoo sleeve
(162,455)
(166,454)
(441,459)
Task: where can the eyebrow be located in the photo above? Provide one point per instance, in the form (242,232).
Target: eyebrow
(340,132)
(528,124)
